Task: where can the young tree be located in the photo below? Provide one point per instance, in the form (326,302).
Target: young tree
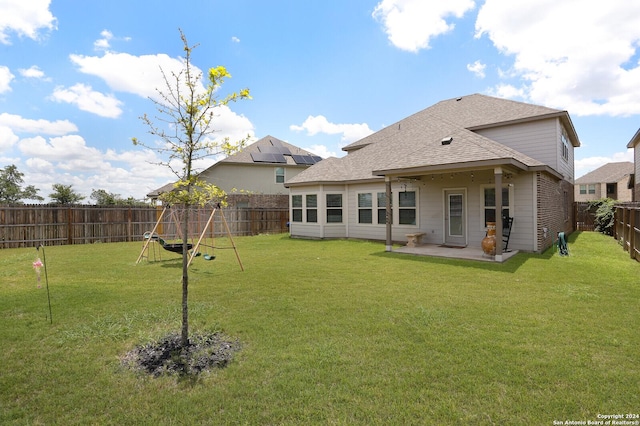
(187,111)
(11,191)
(64,194)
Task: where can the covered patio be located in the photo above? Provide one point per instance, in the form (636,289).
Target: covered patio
(465,253)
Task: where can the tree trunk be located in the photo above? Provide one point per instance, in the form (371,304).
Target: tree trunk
(185,279)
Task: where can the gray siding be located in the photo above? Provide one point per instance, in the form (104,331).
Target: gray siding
(539,140)
(430,192)
(257,178)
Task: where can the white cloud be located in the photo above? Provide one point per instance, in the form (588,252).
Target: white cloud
(143,73)
(68,160)
(7,138)
(19,124)
(411,24)
(322,151)
(319,124)
(574,55)
(103,43)
(85,98)
(586,165)
(5,79)
(477,68)
(235,39)
(25,18)
(508,91)
(33,72)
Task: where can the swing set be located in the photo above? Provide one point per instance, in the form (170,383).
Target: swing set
(205,234)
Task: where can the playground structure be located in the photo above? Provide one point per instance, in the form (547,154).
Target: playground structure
(201,236)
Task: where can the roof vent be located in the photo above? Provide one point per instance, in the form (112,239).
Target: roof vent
(447,140)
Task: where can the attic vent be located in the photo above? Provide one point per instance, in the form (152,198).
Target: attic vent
(447,141)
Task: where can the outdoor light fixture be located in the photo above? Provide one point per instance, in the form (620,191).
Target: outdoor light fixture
(447,140)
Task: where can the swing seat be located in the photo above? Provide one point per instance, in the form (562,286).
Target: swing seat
(176,247)
(208,257)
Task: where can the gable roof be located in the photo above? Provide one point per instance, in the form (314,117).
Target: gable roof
(474,112)
(414,144)
(609,173)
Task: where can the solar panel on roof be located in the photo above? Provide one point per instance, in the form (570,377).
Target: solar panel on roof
(299,159)
(306,159)
(275,150)
(267,157)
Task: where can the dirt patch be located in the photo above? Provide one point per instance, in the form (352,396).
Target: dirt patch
(167,356)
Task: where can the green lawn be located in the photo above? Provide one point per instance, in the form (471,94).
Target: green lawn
(333,332)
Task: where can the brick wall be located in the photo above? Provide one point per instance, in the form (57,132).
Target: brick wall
(555,209)
(257,201)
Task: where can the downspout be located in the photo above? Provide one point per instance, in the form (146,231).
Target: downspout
(387,183)
(498,179)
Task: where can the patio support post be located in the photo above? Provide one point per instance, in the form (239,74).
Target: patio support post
(387,184)
(498,180)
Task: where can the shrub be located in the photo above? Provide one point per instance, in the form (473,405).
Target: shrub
(604,220)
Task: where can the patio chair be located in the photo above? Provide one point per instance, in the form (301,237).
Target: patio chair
(507,223)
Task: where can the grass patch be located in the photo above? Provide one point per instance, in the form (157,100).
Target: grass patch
(332,332)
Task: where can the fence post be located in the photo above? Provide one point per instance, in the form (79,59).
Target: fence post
(632,234)
(69,227)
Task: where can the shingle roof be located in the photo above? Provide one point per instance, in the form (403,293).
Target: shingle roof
(415,142)
(609,173)
(473,112)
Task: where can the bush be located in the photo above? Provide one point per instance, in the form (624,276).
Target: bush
(604,220)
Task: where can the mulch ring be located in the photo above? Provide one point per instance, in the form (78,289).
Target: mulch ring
(167,356)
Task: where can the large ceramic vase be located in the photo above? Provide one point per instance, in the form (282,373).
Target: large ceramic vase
(489,242)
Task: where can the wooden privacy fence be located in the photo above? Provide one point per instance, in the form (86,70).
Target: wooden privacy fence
(32,225)
(585,215)
(627,228)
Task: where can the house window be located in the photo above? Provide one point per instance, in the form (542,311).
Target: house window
(312,208)
(407,208)
(279,174)
(592,188)
(564,142)
(365,208)
(565,205)
(334,208)
(583,189)
(296,208)
(490,204)
(382,208)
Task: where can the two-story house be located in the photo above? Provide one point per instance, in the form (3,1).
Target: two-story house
(446,172)
(608,181)
(255,176)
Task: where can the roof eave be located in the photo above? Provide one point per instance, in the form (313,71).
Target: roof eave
(463,165)
(634,140)
(332,182)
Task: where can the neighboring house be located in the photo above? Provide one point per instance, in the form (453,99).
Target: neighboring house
(635,177)
(260,168)
(608,181)
(441,167)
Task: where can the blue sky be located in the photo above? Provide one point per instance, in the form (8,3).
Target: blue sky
(76,76)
